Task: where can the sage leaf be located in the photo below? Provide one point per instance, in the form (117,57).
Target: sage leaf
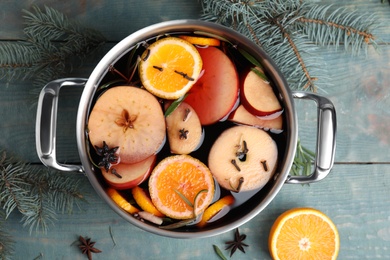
(174,105)
(219,252)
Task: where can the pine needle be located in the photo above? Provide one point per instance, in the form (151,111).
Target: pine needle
(49,50)
(39,195)
(292,31)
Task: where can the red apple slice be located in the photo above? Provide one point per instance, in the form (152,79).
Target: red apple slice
(257,95)
(126,176)
(242,116)
(215,93)
(130,118)
(185,133)
(243,158)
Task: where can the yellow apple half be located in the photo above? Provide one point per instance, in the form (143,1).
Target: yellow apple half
(130,118)
(254,169)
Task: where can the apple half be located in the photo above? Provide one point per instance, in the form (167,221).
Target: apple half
(242,116)
(126,176)
(214,94)
(130,118)
(184,130)
(243,158)
(257,95)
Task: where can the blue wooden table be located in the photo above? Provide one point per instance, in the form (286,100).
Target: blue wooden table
(356,194)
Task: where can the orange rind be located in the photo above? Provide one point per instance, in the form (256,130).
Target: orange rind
(170,67)
(121,201)
(143,200)
(303,233)
(203,41)
(214,209)
(181,187)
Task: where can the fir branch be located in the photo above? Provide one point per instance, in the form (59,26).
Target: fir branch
(6,241)
(343,27)
(38,195)
(49,50)
(291,32)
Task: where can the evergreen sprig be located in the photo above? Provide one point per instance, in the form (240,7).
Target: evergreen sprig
(291,32)
(6,241)
(52,43)
(37,194)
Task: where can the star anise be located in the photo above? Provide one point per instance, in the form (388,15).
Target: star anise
(236,243)
(107,156)
(87,247)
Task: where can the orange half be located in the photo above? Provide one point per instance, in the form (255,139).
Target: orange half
(169,67)
(181,187)
(304,233)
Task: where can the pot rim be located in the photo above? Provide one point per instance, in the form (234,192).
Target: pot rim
(188,25)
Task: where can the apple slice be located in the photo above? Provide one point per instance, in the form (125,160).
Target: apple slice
(243,158)
(185,133)
(215,93)
(257,95)
(130,118)
(126,176)
(242,116)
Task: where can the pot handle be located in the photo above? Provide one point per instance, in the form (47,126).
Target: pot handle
(326,138)
(46,123)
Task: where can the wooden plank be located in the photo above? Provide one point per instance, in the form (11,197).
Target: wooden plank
(115,19)
(360,93)
(355,197)
(110,17)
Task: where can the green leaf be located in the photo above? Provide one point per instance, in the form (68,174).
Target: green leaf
(174,105)
(184,198)
(219,252)
(181,223)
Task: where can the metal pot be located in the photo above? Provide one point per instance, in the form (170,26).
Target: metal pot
(326,131)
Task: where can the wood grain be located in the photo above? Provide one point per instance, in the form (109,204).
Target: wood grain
(356,195)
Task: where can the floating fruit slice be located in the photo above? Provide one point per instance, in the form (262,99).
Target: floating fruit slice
(126,176)
(185,133)
(143,200)
(214,209)
(180,186)
(243,158)
(215,93)
(257,95)
(203,41)
(243,116)
(128,117)
(304,233)
(120,201)
(169,67)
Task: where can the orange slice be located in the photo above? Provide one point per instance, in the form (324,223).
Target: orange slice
(204,41)
(304,233)
(181,187)
(143,200)
(214,209)
(169,67)
(120,201)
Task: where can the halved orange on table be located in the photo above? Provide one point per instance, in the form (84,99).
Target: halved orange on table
(181,187)
(304,233)
(169,67)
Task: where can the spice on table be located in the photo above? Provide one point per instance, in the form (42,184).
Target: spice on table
(236,243)
(88,247)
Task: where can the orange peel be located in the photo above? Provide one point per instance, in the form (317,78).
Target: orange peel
(213,210)
(143,200)
(121,201)
(204,41)
(303,233)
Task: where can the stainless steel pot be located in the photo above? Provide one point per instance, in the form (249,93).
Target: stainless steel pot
(326,131)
